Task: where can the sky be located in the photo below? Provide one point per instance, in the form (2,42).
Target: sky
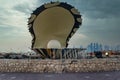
(100,23)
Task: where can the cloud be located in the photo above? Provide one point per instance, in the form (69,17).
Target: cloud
(13,24)
(17,13)
(102,30)
(76,39)
(100,9)
(26,7)
(14,15)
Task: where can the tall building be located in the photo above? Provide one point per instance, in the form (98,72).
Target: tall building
(94,47)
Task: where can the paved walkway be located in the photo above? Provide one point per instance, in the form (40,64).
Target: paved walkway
(61,76)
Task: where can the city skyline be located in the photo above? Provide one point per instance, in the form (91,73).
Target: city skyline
(100,23)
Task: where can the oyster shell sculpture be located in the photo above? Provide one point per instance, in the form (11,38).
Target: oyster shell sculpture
(53,21)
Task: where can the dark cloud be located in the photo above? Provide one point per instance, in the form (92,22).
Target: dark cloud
(23,8)
(94,8)
(100,8)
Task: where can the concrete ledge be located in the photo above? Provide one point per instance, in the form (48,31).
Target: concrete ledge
(58,66)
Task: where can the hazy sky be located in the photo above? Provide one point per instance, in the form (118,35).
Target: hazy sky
(101,22)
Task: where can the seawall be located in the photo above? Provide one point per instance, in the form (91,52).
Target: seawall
(58,66)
